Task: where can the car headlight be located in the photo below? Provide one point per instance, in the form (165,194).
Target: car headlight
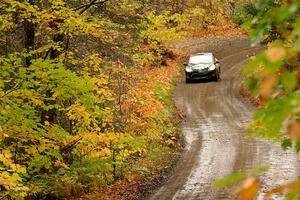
(212,67)
(188,69)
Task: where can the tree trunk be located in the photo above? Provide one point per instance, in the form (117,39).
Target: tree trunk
(29,29)
(156,6)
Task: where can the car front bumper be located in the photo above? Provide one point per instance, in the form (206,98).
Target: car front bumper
(194,75)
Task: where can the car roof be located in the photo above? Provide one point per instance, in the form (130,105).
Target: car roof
(201,57)
(201,54)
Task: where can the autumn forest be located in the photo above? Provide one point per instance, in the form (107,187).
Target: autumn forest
(86,89)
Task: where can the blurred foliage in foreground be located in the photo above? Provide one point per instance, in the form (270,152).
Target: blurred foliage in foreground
(273,77)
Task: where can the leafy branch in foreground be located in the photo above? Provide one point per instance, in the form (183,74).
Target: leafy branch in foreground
(273,77)
(249,183)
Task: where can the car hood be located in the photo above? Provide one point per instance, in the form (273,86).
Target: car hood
(201,66)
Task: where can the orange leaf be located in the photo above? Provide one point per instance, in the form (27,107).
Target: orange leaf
(279,189)
(294,131)
(248,189)
(294,186)
(298,74)
(266,87)
(275,54)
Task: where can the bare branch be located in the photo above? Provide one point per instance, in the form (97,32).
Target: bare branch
(13,89)
(87,6)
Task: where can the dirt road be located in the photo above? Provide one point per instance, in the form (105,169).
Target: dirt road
(214,129)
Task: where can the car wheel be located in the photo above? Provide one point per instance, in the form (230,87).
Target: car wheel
(216,77)
(187,80)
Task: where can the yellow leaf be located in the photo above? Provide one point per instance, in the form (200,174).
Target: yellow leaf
(37,102)
(60,164)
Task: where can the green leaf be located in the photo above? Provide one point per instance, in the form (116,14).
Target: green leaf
(144,170)
(261,169)
(286,144)
(252,84)
(229,180)
(292,196)
(297,147)
(61,171)
(289,80)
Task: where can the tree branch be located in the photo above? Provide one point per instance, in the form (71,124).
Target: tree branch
(87,6)
(70,145)
(13,89)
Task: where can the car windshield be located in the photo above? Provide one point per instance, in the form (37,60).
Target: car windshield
(201,59)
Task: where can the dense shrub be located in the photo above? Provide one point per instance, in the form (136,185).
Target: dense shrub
(244,13)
